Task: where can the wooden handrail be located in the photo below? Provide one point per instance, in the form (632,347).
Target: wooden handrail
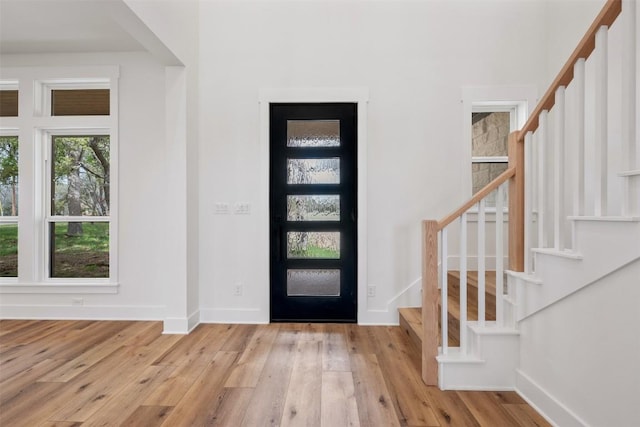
(607,16)
(500,179)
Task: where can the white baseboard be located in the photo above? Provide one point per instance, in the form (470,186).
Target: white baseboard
(546,404)
(181,325)
(410,296)
(194,320)
(378,318)
(233,315)
(84,312)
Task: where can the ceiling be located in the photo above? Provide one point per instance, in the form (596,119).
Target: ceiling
(56,26)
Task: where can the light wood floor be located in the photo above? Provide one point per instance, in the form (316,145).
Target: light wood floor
(71,373)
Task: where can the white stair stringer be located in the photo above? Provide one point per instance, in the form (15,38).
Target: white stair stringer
(603,245)
(490,362)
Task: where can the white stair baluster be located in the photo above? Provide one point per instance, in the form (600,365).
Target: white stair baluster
(558,176)
(463,283)
(543,138)
(528,196)
(601,114)
(630,199)
(444,295)
(481,262)
(500,256)
(578,176)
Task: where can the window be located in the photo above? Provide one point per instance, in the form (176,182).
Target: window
(68,152)
(79,196)
(8,206)
(490,133)
(8,102)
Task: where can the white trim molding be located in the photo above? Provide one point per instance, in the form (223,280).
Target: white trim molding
(544,403)
(81,312)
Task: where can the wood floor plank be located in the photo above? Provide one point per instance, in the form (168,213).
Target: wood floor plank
(239,338)
(302,404)
(16,384)
(335,353)
(31,407)
(147,416)
(267,402)
(198,406)
(374,402)
(117,409)
(60,424)
(312,331)
(194,362)
(232,407)
(339,406)
(507,397)
(188,345)
(67,346)
(88,392)
(360,340)
(11,325)
(85,360)
(450,409)
(247,371)
(526,416)
(37,331)
(485,409)
(409,396)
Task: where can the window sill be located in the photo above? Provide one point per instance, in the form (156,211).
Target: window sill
(14,287)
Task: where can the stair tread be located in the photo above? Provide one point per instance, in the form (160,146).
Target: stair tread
(411,317)
(472,280)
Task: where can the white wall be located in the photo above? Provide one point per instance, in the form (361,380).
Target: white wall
(414,57)
(176,24)
(566,21)
(583,352)
(143,200)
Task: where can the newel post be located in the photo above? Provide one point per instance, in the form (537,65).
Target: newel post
(430,302)
(516,203)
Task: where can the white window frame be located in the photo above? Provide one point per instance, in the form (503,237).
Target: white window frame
(490,99)
(49,218)
(37,126)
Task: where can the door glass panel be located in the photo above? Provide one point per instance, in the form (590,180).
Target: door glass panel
(313,244)
(313,133)
(313,283)
(313,208)
(313,171)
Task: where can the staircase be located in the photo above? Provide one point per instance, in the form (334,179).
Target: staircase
(411,317)
(573,218)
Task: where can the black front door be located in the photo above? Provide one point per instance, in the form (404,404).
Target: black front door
(313,212)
